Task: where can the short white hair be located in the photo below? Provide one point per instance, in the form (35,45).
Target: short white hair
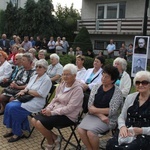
(19,55)
(43,51)
(32,50)
(42,62)
(54,56)
(70,67)
(122,62)
(142,74)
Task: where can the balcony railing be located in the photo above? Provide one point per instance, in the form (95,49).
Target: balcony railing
(114,26)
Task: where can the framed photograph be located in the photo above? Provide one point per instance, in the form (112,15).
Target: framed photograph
(138,64)
(141,45)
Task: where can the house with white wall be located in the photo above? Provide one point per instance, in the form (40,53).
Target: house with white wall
(120,20)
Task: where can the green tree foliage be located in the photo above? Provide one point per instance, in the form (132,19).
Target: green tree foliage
(1,21)
(27,18)
(43,18)
(67,20)
(83,40)
(37,18)
(10,16)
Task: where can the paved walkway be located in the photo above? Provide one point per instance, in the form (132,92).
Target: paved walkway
(32,143)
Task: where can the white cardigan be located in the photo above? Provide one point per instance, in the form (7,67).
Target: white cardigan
(122,118)
(5,70)
(97,80)
(125,84)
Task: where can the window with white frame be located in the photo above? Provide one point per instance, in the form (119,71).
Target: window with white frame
(111,10)
(101,44)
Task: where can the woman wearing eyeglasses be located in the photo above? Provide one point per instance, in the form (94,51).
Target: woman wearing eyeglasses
(134,120)
(63,109)
(16,113)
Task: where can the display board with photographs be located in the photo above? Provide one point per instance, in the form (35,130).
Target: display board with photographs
(140,54)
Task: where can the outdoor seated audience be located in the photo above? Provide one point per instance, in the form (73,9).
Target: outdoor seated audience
(26,44)
(71,52)
(16,112)
(93,75)
(63,109)
(38,43)
(42,54)
(129,52)
(122,51)
(104,102)
(90,53)
(17,68)
(4,43)
(21,50)
(33,52)
(44,44)
(124,80)
(14,51)
(59,45)
(134,120)
(78,51)
(18,41)
(19,83)
(80,68)
(51,45)
(12,41)
(55,69)
(5,67)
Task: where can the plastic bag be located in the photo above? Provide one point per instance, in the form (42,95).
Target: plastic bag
(129,139)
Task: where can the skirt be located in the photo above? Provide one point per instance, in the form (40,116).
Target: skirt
(54,121)
(16,118)
(94,124)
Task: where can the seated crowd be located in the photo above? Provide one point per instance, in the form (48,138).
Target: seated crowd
(26,81)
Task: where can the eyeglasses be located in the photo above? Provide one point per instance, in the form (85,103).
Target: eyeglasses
(38,66)
(144,83)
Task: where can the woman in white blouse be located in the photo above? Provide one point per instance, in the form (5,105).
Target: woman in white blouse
(16,113)
(81,69)
(55,69)
(5,67)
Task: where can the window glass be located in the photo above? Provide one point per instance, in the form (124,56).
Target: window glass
(100,12)
(101,45)
(111,12)
(122,8)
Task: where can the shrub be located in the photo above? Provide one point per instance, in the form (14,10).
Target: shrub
(83,40)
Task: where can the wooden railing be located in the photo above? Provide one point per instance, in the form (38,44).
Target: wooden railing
(116,26)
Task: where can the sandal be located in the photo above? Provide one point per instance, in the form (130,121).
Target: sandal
(58,143)
(49,147)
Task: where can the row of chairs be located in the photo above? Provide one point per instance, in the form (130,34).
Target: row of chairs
(72,127)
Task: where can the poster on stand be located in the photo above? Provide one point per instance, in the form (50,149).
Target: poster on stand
(140,54)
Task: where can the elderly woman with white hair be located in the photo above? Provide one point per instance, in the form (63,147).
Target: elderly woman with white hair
(124,81)
(33,52)
(134,120)
(55,69)
(64,108)
(42,54)
(16,112)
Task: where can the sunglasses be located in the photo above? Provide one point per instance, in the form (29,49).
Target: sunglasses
(144,83)
(38,66)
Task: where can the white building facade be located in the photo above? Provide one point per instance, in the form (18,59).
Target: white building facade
(120,20)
